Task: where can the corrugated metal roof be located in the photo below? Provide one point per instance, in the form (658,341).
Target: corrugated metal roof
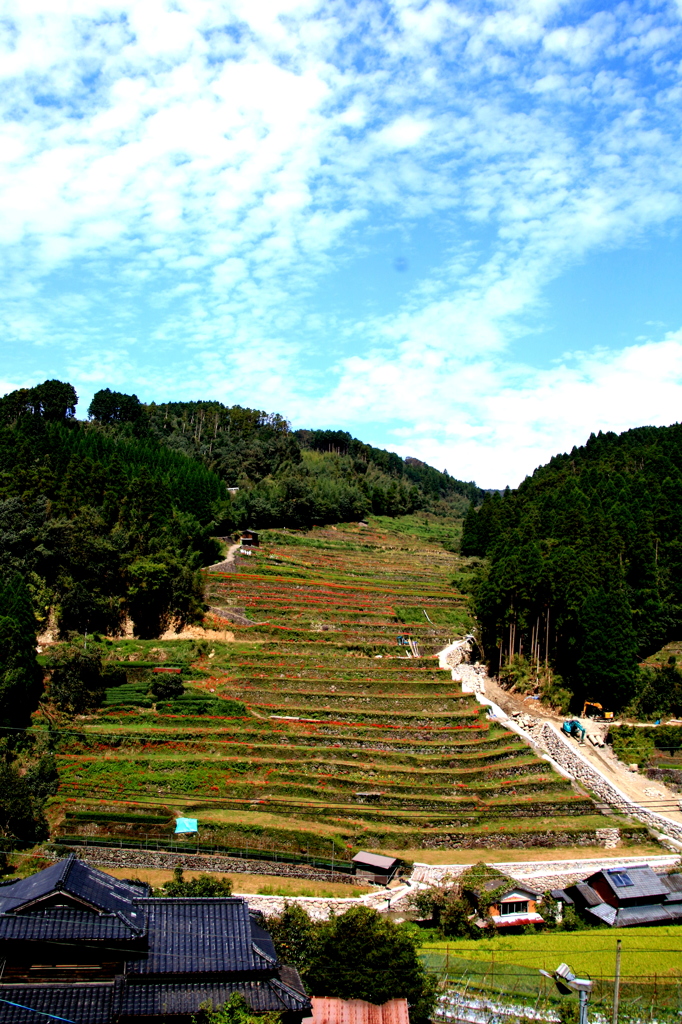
(356,1011)
(59,924)
(509,920)
(673,882)
(174,998)
(188,936)
(82,1003)
(657,913)
(374,860)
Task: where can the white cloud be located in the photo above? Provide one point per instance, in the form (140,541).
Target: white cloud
(198,170)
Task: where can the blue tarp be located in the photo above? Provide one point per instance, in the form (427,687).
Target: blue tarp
(186,825)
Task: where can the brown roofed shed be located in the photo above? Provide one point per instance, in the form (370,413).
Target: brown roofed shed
(374,867)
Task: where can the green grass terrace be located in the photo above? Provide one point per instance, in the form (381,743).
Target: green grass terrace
(341,740)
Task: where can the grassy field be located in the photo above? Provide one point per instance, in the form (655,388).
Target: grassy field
(265,885)
(651,965)
(591,954)
(343,741)
(531,854)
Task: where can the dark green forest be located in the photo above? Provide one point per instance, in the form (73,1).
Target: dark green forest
(113,516)
(584,572)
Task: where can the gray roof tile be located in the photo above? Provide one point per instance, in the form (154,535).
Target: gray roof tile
(82,1004)
(59,924)
(175,998)
(643,881)
(199,936)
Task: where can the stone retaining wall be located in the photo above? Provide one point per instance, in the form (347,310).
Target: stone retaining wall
(111,857)
(318,908)
(606,837)
(573,762)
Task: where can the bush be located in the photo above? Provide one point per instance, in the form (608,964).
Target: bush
(204,885)
(360,955)
(235,1011)
(76,677)
(165,687)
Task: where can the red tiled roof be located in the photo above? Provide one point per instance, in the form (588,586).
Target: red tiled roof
(356,1011)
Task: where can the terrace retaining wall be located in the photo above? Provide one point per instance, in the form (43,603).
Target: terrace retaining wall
(570,758)
(111,857)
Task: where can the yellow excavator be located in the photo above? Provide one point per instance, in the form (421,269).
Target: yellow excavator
(594,704)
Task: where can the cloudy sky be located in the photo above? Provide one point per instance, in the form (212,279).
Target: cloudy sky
(450,228)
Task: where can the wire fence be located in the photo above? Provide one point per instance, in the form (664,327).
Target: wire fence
(490,992)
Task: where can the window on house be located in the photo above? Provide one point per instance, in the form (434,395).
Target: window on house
(621,878)
(513,907)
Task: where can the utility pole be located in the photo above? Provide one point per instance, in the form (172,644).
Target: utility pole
(616,984)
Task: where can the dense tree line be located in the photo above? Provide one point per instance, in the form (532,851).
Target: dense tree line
(285,478)
(101,522)
(585,564)
(113,516)
(434,485)
(28,772)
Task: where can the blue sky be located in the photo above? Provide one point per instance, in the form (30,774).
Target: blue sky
(450,228)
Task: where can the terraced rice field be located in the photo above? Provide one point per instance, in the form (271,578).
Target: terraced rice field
(347,742)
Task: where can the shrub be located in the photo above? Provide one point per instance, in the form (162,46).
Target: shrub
(204,885)
(76,676)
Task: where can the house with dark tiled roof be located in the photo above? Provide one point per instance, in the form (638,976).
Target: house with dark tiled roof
(624,897)
(87,948)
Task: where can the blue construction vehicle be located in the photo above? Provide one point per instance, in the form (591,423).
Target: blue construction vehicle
(574,729)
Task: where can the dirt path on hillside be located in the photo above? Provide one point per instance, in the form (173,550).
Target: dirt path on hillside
(229,562)
(653,795)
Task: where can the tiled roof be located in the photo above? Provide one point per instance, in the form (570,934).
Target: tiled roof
(604,912)
(173,998)
(82,1004)
(60,924)
(496,883)
(589,896)
(632,882)
(80,881)
(327,1010)
(674,884)
(189,936)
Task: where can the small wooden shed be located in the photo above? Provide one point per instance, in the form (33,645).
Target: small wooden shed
(374,867)
(250,539)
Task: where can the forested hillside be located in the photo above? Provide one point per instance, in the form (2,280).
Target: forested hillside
(302,478)
(113,517)
(585,567)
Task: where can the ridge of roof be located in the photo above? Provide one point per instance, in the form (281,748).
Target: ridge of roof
(65,872)
(266,956)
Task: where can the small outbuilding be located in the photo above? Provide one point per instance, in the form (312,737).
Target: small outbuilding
(249,539)
(374,867)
